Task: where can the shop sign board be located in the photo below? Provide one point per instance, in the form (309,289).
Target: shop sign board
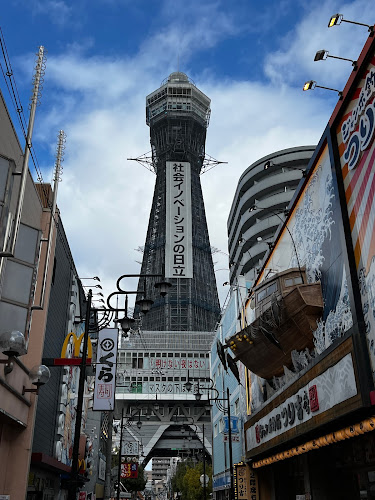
(101,472)
(105,372)
(330,388)
(246,483)
(235,438)
(356,148)
(234,425)
(178,241)
(129,470)
(130,448)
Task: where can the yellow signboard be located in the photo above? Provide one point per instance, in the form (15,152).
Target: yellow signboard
(77,341)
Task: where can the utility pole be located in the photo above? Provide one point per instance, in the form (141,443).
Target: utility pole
(120,456)
(81,389)
(108,466)
(230,449)
(204,468)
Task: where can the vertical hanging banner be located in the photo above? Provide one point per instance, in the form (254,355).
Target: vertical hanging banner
(246,483)
(178,241)
(105,372)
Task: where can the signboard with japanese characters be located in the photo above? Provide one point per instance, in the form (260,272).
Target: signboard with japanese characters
(130,448)
(235,432)
(129,470)
(178,242)
(105,372)
(101,471)
(182,363)
(330,388)
(246,483)
(356,148)
(235,438)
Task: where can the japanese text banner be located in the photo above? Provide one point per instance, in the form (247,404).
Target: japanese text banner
(105,372)
(178,243)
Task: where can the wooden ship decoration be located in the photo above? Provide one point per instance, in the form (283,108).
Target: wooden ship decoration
(286,311)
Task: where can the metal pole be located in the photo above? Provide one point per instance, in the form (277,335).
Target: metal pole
(39,72)
(204,469)
(81,388)
(108,466)
(57,179)
(230,450)
(120,456)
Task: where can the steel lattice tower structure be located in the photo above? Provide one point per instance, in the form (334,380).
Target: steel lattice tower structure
(178,116)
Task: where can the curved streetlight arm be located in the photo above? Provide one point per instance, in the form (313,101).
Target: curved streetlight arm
(217,400)
(112,295)
(134,276)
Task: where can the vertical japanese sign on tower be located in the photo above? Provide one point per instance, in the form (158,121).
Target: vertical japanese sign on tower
(178,247)
(105,373)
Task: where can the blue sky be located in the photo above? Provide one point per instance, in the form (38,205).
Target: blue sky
(104,56)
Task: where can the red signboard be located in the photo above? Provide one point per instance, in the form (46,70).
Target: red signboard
(129,470)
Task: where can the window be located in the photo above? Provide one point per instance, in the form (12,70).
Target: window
(297,280)
(137,363)
(266,292)
(221,425)
(216,430)
(237,407)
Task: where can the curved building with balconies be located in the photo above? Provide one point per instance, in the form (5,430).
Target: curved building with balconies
(263,194)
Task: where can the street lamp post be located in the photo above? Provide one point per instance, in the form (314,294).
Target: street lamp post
(226,410)
(204,467)
(230,449)
(145,304)
(81,388)
(120,455)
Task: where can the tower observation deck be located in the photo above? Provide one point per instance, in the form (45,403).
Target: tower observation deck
(177,243)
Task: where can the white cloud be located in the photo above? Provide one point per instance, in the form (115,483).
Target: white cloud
(104,199)
(58,11)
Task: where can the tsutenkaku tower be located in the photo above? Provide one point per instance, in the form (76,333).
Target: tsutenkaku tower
(177,242)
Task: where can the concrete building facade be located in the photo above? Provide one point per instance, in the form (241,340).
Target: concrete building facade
(22,277)
(263,194)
